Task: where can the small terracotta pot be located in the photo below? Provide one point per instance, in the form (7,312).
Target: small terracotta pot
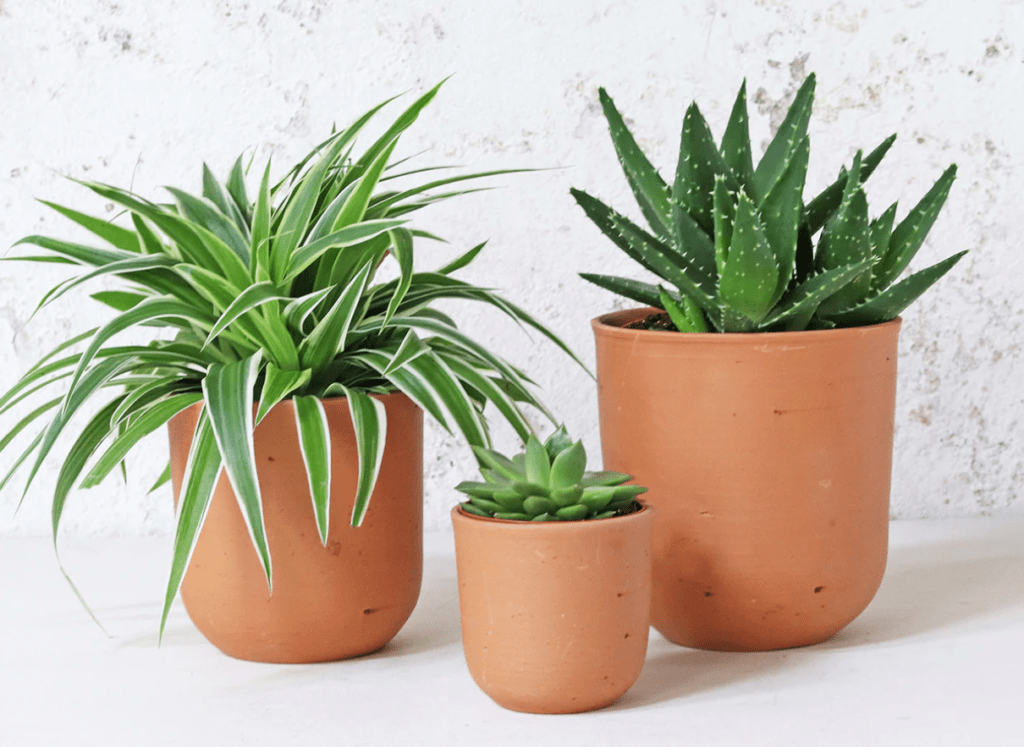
(554,614)
(768,458)
(334,602)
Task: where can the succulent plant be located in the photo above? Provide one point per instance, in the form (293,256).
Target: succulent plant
(547,482)
(734,243)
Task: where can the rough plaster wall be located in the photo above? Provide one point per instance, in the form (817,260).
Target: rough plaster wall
(142,93)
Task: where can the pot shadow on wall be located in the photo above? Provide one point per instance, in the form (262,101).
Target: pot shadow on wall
(958,582)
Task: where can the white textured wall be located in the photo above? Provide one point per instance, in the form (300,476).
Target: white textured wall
(116,91)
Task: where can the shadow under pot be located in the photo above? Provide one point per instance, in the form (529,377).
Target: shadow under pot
(555,615)
(330,602)
(768,458)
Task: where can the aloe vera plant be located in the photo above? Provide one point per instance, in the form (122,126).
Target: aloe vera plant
(733,244)
(546,482)
(269,297)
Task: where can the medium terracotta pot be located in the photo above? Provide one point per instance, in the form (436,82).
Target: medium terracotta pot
(554,614)
(768,458)
(334,602)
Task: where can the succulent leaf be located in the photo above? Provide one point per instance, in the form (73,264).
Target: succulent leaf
(538,466)
(568,467)
(636,290)
(792,130)
(891,302)
(558,442)
(607,477)
(526,489)
(725,215)
(537,504)
(881,232)
(700,163)
(821,208)
(648,187)
(909,235)
(780,213)
(567,496)
(736,143)
(750,276)
(572,513)
(803,301)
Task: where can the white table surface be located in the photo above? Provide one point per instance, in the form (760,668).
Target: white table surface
(937,659)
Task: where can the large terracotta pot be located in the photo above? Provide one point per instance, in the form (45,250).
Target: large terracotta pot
(334,602)
(768,458)
(554,614)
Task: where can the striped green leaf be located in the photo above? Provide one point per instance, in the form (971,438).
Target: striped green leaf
(369,421)
(315,445)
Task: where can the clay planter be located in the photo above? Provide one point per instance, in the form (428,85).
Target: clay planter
(554,614)
(768,459)
(330,603)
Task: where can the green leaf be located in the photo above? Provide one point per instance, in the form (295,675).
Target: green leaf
(249,299)
(881,232)
(792,130)
(201,472)
(724,207)
(648,187)
(328,337)
(538,467)
(369,420)
(411,347)
(236,188)
(799,306)
(572,513)
(909,235)
(735,148)
(401,247)
(305,255)
(148,421)
(499,463)
(494,394)
(780,213)
(315,445)
(685,314)
(751,273)
(205,213)
(277,385)
(568,467)
(259,247)
(118,300)
(89,255)
(114,235)
(846,240)
(163,479)
(821,208)
(700,163)
(134,264)
(461,261)
(890,303)
(228,391)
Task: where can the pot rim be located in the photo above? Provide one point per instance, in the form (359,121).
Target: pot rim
(645,510)
(605,324)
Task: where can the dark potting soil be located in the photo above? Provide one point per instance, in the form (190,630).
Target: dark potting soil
(660,320)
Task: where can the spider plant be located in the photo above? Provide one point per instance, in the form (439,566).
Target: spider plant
(267,297)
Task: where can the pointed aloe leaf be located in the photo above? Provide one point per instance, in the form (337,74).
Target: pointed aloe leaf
(735,148)
(636,290)
(693,250)
(148,421)
(909,235)
(228,391)
(114,235)
(846,241)
(656,255)
(822,207)
(249,299)
(792,130)
(780,214)
(751,272)
(684,313)
(277,385)
(315,445)
(648,187)
(402,249)
(802,302)
(700,163)
(369,421)
(329,336)
(724,206)
(881,232)
(890,303)
(201,472)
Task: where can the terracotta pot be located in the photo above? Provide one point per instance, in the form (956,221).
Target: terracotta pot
(554,614)
(334,602)
(768,458)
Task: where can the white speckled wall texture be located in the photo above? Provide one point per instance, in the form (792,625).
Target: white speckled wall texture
(143,92)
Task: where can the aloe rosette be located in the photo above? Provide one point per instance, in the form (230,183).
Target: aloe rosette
(733,245)
(269,297)
(546,482)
